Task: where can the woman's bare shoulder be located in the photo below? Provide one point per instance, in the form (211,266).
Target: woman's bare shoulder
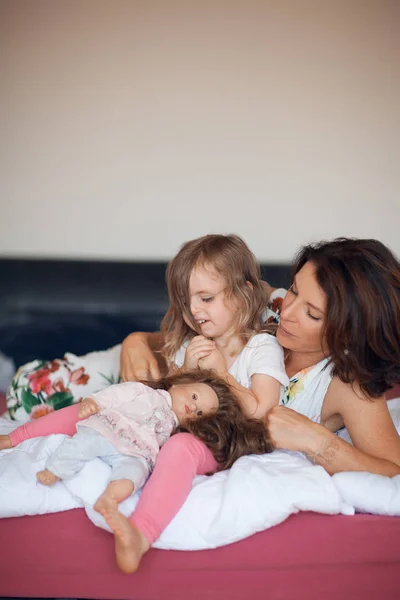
(342,398)
(367,419)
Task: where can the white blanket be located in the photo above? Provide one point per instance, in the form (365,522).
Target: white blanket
(258,492)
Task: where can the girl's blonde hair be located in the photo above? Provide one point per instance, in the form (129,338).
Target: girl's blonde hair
(233,260)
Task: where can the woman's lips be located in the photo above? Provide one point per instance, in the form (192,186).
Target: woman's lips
(285,331)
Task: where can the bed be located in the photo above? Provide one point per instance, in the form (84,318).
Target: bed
(49,306)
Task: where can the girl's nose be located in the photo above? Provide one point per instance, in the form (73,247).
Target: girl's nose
(194,307)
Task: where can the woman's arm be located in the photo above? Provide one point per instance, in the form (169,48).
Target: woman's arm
(141,357)
(376,442)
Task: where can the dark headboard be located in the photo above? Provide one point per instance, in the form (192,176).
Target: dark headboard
(50,306)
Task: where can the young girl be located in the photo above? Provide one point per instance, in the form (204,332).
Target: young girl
(126,424)
(215,321)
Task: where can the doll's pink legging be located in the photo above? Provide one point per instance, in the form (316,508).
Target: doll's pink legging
(180,459)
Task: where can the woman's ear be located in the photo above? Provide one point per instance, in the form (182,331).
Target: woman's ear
(249,284)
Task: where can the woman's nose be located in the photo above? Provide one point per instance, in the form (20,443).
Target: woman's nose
(289,308)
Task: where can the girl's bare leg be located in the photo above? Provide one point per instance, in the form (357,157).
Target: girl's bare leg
(180,459)
(130,543)
(114,494)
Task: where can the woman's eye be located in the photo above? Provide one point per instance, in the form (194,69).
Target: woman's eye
(199,413)
(312,316)
(208,299)
(292,290)
(194,397)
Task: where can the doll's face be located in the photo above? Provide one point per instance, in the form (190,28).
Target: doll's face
(193,400)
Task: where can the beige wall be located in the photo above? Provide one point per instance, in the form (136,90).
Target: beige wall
(128,127)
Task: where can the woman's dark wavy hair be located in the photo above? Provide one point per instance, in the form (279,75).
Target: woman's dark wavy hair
(361,281)
(227,432)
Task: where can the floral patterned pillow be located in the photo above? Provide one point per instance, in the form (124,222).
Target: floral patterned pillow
(40,387)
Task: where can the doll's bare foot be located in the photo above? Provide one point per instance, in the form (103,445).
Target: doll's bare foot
(47,477)
(114,494)
(130,543)
(5,442)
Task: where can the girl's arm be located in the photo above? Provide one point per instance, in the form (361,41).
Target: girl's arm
(260,398)
(376,442)
(141,357)
(265,371)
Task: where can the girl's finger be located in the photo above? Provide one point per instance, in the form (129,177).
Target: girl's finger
(202,344)
(201,354)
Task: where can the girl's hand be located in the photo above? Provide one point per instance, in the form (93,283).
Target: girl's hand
(290,430)
(138,362)
(87,408)
(214,360)
(198,348)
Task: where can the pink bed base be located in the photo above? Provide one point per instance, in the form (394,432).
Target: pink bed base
(309,556)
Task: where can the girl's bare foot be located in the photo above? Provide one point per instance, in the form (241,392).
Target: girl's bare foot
(47,477)
(115,492)
(130,543)
(5,442)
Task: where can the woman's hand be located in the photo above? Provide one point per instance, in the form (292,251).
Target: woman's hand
(199,348)
(137,359)
(215,361)
(290,430)
(87,408)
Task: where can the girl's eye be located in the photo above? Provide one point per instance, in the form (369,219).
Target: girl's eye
(199,413)
(292,290)
(209,299)
(194,397)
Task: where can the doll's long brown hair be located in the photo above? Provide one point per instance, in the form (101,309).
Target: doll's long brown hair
(233,260)
(226,432)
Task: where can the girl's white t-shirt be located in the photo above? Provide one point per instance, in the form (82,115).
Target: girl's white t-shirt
(262,354)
